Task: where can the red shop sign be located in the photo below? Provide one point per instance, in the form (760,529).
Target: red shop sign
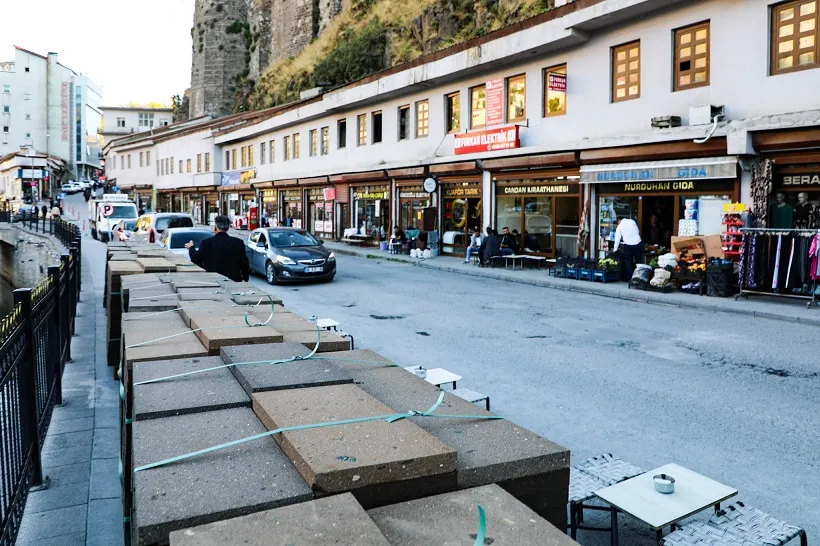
(557,82)
(329,194)
(501,138)
(494,93)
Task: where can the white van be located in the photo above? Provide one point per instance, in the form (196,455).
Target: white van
(108,212)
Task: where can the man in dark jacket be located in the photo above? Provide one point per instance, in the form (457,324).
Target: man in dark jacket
(222,253)
(490,247)
(509,243)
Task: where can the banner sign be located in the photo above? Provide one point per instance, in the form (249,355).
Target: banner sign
(557,82)
(234,178)
(462,191)
(494,93)
(64,98)
(648,173)
(797,180)
(502,138)
(329,194)
(543,189)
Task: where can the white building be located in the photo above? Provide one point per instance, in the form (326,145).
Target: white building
(49,107)
(119,121)
(540,126)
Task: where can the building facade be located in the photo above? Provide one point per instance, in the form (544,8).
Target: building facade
(554,128)
(118,121)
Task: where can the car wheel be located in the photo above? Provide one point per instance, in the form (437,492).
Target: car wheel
(270,273)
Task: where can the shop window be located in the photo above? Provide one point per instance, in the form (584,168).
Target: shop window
(404,122)
(692,56)
(188,165)
(517,98)
(227,160)
(377,127)
(314,142)
(244,154)
(453,112)
(325,141)
(626,72)
(478,107)
(287,148)
(610,209)
(250,155)
(422,118)
(207,162)
(148,158)
(794,39)
(297,141)
(555,92)
(158,167)
(361,128)
(272,151)
(262,149)
(233,159)
(341,137)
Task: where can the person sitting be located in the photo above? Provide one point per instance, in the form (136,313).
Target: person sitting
(475,244)
(396,240)
(530,243)
(509,244)
(489,248)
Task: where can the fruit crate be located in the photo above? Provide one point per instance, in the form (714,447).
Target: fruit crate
(606,276)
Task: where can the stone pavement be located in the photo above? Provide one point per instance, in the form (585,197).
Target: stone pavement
(789,310)
(81,451)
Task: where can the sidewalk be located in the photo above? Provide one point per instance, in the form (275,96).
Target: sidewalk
(81,451)
(757,306)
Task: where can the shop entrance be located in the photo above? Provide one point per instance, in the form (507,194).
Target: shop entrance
(658,220)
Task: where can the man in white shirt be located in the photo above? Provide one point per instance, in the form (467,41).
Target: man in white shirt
(633,246)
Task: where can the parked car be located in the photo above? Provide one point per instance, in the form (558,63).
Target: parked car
(26,213)
(174,239)
(151,226)
(288,254)
(70,188)
(124,229)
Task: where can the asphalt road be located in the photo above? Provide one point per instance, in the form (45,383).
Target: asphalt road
(732,397)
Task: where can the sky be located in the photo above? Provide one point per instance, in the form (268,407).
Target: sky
(136,50)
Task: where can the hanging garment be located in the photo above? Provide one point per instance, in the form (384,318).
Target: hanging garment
(743,265)
(753,258)
(814,262)
(786,284)
(776,271)
(761,189)
(803,215)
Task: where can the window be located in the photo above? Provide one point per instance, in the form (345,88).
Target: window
(227,160)
(171,162)
(272,150)
(377,126)
(181,170)
(287,148)
(27,69)
(5,128)
(250,155)
(244,154)
(626,72)
(342,133)
(120,122)
(207,161)
(314,141)
(478,107)
(361,127)
(6,109)
(453,112)
(188,165)
(122,158)
(692,56)
(794,36)
(129,161)
(28,135)
(148,157)
(262,150)
(142,156)
(199,163)
(404,122)
(146,119)
(517,98)
(6,89)
(297,138)
(325,140)
(555,91)
(234,164)
(422,118)
(159,164)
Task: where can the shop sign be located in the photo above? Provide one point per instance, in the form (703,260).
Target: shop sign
(502,138)
(292,195)
(557,82)
(269,194)
(64,98)
(494,109)
(414,195)
(377,195)
(463,191)
(246,176)
(30,173)
(234,178)
(798,180)
(544,189)
(653,174)
(672,186)
(329,194)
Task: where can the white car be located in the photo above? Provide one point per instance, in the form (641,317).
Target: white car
(174,239)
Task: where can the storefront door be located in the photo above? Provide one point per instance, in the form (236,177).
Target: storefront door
(460,215)
(292,208)
(413,200)
(372,211)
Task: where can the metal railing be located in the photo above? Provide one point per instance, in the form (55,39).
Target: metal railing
(35,344)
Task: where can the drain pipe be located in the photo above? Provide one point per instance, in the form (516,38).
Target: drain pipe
(705,139)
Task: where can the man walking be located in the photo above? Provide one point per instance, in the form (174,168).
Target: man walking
(221,253)
(633,246)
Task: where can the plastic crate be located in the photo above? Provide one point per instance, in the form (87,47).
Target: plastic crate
(585,274)
(718,284)
(606,276)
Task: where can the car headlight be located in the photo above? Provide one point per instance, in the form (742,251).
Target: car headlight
(284,260)
(332,257)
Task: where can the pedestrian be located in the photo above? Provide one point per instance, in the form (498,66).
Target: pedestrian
(221,253)
(55,212)
(45,210)
(141,211)
(490,247)
(633,246)
(475,244)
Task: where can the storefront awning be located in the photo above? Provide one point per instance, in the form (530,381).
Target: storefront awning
(653,171)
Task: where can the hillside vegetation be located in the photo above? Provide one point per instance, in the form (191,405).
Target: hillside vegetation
(372,35)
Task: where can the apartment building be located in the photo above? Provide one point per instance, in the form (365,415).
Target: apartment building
(553,127)
(118,121)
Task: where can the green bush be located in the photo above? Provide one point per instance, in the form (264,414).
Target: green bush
(357,55)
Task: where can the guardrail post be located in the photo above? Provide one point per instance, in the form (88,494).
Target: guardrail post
(29,415)
(57,343)
(78,244)
(72,310)
(65,307)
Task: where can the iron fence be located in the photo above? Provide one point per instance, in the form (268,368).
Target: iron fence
(35,344)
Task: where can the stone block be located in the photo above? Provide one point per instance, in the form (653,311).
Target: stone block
(180,346)
(227,483)
(332,520)
(256,297)
(202,294)
(151,265)
(122,257)
(158,297)
(191,268)
(217,332)
(116,270)
(196,280)
(328,341)
(153,253)
(291,375)
(374,458)
(207,391)
(452,518)
(360,359)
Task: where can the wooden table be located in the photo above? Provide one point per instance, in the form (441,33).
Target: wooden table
(438,376)
(637,497)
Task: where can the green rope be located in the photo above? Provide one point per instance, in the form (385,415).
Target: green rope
(272,310)
(481,534)
(389,418)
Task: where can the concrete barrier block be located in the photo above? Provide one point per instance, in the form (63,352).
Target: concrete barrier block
(222,331)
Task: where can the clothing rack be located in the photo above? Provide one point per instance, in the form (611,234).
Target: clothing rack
(812,297)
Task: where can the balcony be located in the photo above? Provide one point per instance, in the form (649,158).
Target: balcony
(116,130)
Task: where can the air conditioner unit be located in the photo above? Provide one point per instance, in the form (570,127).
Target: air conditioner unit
(665,122)
(704,114)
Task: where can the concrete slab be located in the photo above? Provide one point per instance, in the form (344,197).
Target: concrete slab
(151,298)
(231,482)
(180,346)
(329,341)
(366,358)
(203,295)
(188,268)
(207,391)
(353,456)
(122,257)
(271,377)
(161,265)
(452,518)
(195,280)
(218,332)
(255,297)
(153,253)
(191,310)
(332,520)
